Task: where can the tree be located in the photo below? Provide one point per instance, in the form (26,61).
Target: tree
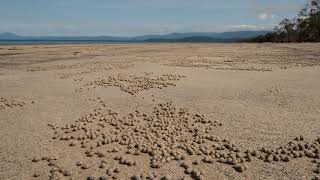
(303,28)
(287,26)
(309,21)
(314,20)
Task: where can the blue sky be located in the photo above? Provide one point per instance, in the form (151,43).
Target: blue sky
(136,17)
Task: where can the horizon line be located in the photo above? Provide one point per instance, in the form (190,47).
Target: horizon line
(131,36)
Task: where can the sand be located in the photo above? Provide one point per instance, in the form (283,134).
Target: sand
(160,111)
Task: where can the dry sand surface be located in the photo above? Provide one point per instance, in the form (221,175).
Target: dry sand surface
(160,111)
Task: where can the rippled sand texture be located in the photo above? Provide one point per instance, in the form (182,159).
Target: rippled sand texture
(160,111)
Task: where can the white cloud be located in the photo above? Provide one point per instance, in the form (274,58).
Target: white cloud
(273,16)
(250,27)
(265,16)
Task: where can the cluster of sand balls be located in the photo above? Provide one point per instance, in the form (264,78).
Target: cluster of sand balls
(90,70)
(96,68)
(294,149)
(168,133)
(56,171)
(5,103)
(209,65)
(244,69)
(133,84)
(78,79)
(58,67)
(191,64)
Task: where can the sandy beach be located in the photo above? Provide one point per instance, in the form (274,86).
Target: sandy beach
(160,111)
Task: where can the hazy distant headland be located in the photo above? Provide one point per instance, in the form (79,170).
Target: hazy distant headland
(234,36)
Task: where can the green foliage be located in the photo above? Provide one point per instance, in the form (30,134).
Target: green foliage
(303,28)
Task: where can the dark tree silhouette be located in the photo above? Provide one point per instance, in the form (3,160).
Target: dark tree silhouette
(303,28)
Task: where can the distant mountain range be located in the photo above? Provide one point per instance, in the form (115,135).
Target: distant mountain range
(233,36)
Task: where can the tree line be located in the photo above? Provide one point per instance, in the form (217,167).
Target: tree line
(305,27)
